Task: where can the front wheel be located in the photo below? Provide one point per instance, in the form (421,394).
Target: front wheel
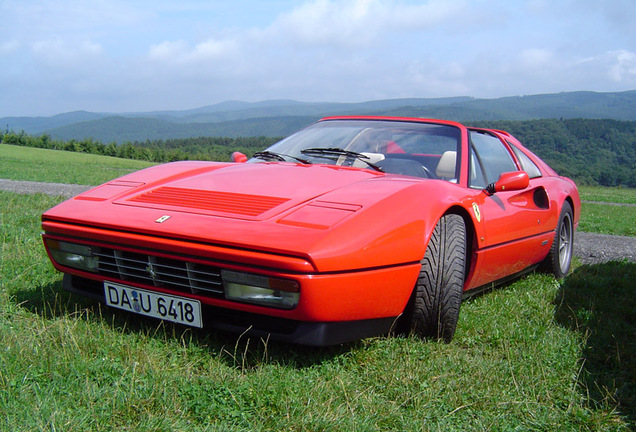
(433,310)
(559,258)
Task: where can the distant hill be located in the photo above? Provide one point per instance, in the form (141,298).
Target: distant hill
(123,129)
(589,105)
(282,117)
(36,125)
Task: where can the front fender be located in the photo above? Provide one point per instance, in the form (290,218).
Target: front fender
(393,230)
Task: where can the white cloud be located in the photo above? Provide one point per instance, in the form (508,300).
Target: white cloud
(433,79)
(623,68)
(536,58)
(355,23)
(54,16)
(166,51)
(63,53)
(182,67)
(182,52)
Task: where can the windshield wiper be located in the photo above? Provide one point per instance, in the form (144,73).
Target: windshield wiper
(280,157)
(335,153)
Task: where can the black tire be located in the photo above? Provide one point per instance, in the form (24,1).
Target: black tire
(559,258)
(434,306)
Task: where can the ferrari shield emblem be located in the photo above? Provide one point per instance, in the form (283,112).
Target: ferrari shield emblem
(477,211)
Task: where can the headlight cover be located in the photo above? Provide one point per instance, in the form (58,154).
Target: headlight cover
(73,255)
(260,290)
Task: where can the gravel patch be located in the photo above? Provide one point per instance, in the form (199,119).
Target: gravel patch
(31,187)
(589,247)
(594,248)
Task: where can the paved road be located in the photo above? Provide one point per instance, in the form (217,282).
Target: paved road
(594,248)
(589,247)
(31,187)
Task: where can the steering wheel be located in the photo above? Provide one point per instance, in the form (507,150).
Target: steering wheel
(428,172)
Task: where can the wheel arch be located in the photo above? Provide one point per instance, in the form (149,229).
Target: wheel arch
(570,201)
(471,242)
(471,239)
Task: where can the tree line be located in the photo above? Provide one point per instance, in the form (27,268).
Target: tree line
(592,152)
(160,151)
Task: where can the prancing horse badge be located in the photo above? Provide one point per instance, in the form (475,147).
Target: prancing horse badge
(162,219)
(477,211)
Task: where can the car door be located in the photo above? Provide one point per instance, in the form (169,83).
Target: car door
(516,223)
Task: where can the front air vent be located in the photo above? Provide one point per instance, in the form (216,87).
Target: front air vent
(209,201)
(185,276)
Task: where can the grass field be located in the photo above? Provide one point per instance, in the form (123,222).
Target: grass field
(26,163)
(608,219)
(539,354)
(610,195)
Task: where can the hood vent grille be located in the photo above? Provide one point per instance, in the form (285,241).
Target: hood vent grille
(210,201)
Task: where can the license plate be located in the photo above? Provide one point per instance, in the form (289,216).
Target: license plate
(163,306)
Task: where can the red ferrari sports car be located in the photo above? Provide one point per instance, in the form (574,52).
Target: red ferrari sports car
(350,228)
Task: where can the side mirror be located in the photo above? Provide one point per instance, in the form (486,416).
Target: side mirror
(239,157)
(509,181)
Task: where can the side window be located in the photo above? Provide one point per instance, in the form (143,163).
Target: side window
(526,163)
(476,171)
(489,159)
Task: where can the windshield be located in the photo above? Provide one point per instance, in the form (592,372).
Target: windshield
(424,150)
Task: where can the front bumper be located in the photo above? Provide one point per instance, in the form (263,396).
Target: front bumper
(264,326)
(333,308)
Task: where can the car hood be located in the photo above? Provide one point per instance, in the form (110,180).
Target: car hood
(251,192)
(337,217)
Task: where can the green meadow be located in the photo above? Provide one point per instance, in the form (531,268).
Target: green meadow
(539,354)
(56,166)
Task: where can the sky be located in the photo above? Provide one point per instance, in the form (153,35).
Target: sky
(120,56)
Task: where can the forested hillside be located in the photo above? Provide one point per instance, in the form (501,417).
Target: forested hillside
(592,152)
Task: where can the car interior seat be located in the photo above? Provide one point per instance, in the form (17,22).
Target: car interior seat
(446,166)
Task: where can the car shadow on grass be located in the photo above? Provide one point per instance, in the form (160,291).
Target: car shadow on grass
(599,301)
(51,301)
